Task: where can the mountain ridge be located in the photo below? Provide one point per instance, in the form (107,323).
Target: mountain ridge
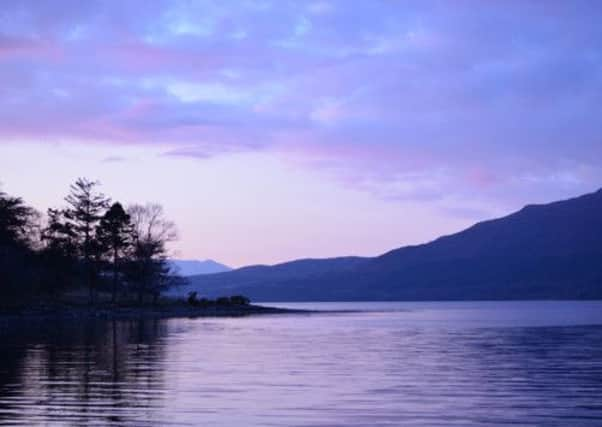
(192,267)
(545,251)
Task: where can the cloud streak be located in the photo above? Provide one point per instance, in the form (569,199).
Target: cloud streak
(420,100)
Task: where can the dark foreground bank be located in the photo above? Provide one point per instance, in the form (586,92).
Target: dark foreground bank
(170,309)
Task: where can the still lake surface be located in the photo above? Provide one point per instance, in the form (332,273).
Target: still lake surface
(438,363)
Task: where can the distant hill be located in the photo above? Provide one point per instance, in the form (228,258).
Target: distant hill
(196,267)
(551,251)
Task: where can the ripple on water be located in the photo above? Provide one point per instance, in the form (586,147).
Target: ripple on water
(424,364)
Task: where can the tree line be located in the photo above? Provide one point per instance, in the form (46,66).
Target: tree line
(91,242)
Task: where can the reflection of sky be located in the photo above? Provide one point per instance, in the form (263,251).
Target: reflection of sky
(452,363)
(289,129)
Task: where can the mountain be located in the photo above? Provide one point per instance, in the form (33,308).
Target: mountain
(551,251)
(195,267)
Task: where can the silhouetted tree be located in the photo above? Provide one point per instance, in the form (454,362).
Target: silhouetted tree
(60,234)
(16,256)
(114,234)
(81,240)
(60,251)
(86,207)
(148,269)
(16,220)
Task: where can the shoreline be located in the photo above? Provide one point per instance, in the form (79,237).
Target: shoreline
(163,311)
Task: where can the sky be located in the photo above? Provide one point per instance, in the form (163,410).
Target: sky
(275,130)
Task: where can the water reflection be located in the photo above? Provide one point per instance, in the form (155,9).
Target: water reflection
(406,367)
(80,372)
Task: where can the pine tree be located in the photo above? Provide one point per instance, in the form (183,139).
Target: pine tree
(86,208)
(114,236)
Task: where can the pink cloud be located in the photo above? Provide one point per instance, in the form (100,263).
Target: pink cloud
(27,48)
(482,177)
(425,99)
(141,56)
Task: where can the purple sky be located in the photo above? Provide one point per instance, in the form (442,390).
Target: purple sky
(272,130)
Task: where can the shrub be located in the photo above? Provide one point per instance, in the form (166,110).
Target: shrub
(223,301)
(239,300)
(192,298)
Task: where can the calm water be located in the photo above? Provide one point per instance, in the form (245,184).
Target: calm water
(531,363)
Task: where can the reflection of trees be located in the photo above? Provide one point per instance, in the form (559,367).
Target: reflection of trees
(79,371)
(11,367)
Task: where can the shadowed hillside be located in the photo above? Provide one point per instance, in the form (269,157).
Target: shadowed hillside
(551,251)
(193,267)
(265,280)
